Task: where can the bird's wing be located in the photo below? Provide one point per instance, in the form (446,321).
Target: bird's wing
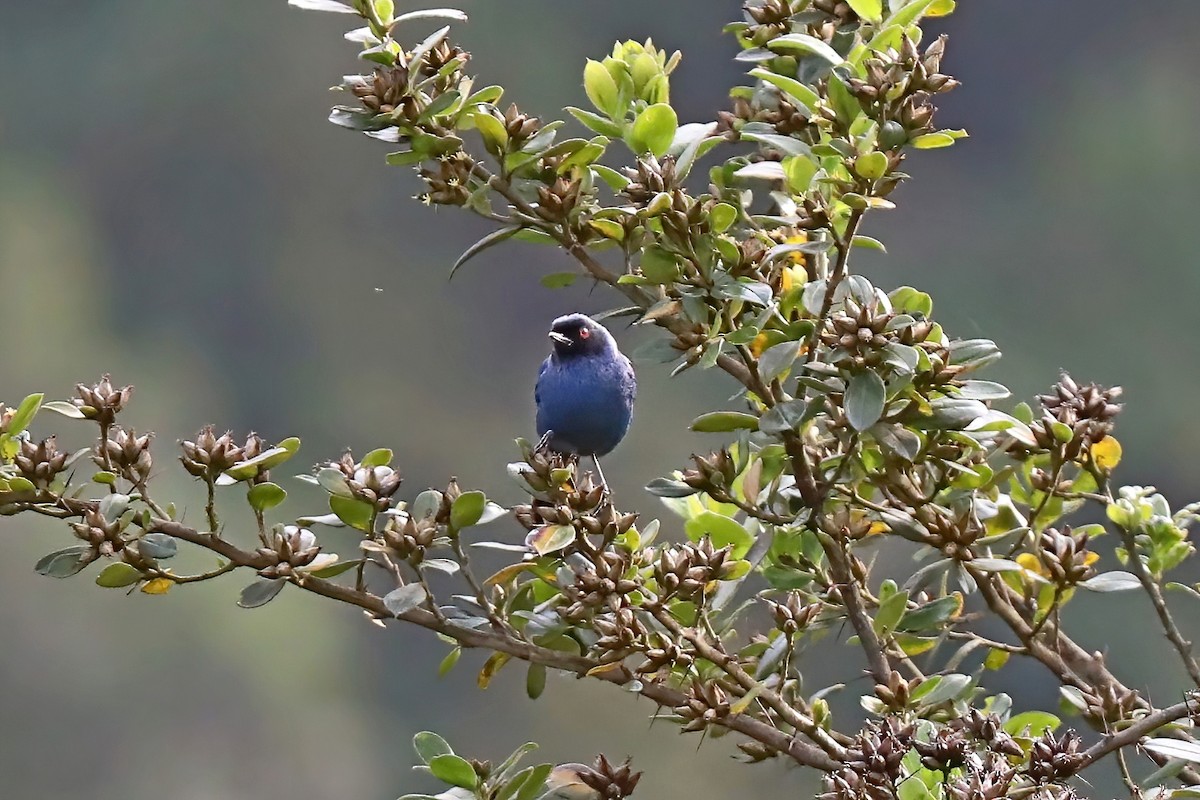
(629,383)
(537,387)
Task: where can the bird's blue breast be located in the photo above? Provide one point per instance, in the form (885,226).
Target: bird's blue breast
(587,402)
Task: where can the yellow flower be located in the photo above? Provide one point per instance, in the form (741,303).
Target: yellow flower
(1106,453)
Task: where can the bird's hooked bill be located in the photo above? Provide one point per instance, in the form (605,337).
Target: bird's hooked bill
(560,338)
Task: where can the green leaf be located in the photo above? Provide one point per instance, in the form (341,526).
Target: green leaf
(783,417)
(949,687)
(495,135)
(380,457)
(596,123)
(654,130)
(890,612)
(404,158)
(932,141)
(799,171)
(322,5)
(1031,723)
(1174,748)
(871,10)
(551,538)
(983,390)
(429,745)
(907,300)
(261,592)
(66,409)
(932,614)
(724,421)
(265,460)
(454,770)
(535,783)
(449,661)
(871,166)
(157,545)
(265,496)
(762,170)
(352,511)
(802,93)
(601,89)
(493,238)
(24,414)
(721,530)
(560,280)
(867,243)
(909,13)
(405,599)
(722,216)
(118,575)
(63,563)
(777,360)
(1115,581)
(801,44)
(333,570)
(433,13)
(864,400)
(995,659)
(659,266)
(665,487)
(535,681)
(467,509)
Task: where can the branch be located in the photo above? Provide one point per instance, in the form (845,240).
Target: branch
(662,694)
(1181,645)
(1143,727)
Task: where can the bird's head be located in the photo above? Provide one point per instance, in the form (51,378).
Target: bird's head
(579,335)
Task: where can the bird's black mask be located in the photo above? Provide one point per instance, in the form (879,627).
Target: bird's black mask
(576,335)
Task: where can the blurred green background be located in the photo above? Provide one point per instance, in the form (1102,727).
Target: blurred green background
(175,209)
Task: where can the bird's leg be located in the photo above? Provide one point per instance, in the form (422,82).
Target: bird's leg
(544,442)
(605,492)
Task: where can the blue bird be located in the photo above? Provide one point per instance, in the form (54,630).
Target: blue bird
(585,390)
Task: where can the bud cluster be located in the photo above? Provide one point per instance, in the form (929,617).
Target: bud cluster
(714,473)
(650,178)
(448,180)
(127,454)
(102,401)
(706,703)
(609,781)
(103,535)
(40,463)
(897,90)
(603,583)
(685,571)
(411,539)
(1087,410)
(897,693)
(1054,760)
(874,768)
(1065,556)
(373,485)
(210,455)
(793,615)
(291,548)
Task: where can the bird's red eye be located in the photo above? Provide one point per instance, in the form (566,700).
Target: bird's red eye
(584,333)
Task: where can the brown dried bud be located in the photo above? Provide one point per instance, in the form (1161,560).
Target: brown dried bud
(210,455)
(1054,760)
(102,401)
(39,463)
(292,547)
(610,782)
(127,454)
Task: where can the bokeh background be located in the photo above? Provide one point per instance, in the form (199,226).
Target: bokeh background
(175,209)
